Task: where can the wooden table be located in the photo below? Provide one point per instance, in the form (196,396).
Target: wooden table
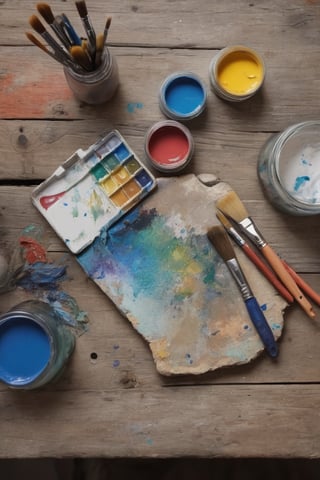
(117,405)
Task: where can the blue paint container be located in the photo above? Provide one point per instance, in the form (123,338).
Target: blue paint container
(183,96)
(34,345)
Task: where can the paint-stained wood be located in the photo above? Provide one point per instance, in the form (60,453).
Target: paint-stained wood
(114,403)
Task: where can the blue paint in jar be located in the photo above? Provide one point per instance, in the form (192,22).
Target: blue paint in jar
(24,350)
(183,96)
(35,345)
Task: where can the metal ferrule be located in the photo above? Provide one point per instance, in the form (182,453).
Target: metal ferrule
(252,231)
(236,236)
(239,277)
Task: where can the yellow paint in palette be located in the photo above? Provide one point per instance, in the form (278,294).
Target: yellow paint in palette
(119,198)
(121,176)
(109,185)
(131,188)
(237,73)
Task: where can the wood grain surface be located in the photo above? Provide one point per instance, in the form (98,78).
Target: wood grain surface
(116,405)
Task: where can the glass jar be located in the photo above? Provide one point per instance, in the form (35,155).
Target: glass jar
(34,345)
(289,169)
(98,86)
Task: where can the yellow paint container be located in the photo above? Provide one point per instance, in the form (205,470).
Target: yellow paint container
(236,73)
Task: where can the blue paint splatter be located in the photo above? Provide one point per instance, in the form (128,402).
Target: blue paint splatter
(263,307)
(40,274)
(300,181)
(132,107)
(276,326)
(189,359)
(116,363)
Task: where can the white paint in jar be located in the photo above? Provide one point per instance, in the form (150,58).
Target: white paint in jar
(289,169)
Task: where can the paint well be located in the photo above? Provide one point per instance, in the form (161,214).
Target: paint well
(24,350)
(132,188)
(122,175)
(99,171)
(168,146)
(240,72)
(143,178)
(184,95)
(110,163)
(132,165)
(119,198)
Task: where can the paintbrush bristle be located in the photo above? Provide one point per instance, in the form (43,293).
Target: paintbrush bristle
(35,41)
(223,219)
(108,23)
(82,8)
(232,206)
(45,11)
(81,57)
(36,24)
(220,240)
(100,42)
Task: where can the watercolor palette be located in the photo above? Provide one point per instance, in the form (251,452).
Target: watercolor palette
(92,190)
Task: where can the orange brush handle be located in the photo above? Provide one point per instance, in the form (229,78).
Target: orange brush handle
(287,280)
(267,272)
(302,284)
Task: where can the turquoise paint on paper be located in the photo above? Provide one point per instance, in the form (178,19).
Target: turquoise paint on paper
(160,269)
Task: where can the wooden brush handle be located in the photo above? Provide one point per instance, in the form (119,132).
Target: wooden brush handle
(303,284)
(277,265)
(268,273)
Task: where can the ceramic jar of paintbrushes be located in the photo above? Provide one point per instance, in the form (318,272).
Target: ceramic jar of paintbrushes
(89,67)
(98,85)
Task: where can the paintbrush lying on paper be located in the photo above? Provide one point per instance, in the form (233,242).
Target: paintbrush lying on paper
(233,208)
(221,242)
(256,260)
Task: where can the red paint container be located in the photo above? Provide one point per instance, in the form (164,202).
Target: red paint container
(169,146)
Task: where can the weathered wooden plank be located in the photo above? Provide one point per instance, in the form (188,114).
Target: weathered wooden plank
(213,421)
(197,23)
(32,86)
(117,405)
(294,238)
(124,360)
